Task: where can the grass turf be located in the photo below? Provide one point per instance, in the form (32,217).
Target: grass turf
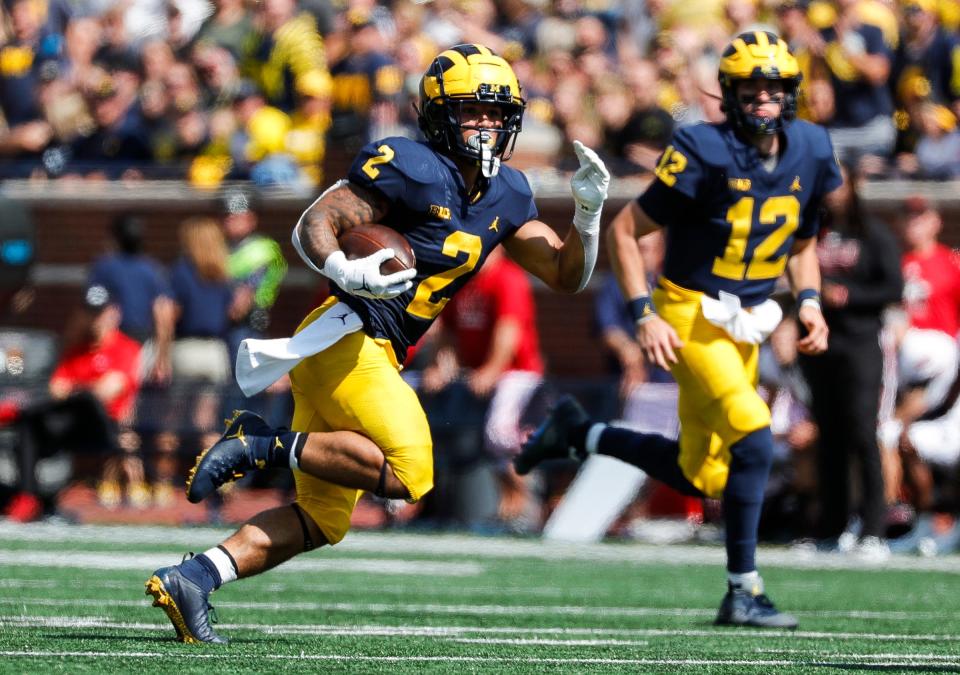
(71,599)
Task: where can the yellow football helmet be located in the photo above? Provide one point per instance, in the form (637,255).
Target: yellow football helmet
(759,55)
(471,73)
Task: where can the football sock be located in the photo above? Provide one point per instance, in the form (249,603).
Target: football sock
(593,438)
(750,461)
(201,571)
(657,455)
(224,562)
(280,448)
(578,439)
(296,450)
(750,581)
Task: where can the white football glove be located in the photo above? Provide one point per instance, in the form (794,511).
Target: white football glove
(363,278)
(589,186)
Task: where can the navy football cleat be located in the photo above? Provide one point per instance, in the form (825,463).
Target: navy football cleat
(185,603)
(551,439)
(740,607)
(229,458)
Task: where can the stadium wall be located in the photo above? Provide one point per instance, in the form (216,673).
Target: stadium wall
(72,228)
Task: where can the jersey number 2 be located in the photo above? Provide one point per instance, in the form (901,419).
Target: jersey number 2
(456,243)
(370,166)
(762,264)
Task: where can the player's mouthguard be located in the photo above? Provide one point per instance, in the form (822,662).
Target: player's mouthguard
(484,142)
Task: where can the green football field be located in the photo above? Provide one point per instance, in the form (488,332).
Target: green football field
(72,600)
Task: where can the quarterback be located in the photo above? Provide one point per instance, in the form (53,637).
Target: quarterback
(739,203)
(356,424)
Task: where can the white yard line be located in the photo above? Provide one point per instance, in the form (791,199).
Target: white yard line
(459,632)
(472,609)
(145,562)
(353,658)
(481,547)
(467,610)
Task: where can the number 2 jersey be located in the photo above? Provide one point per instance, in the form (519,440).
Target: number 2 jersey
(730,223)
(451,233)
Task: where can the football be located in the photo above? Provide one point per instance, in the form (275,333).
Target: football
(365,240)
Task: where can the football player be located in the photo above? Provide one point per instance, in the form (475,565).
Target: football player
(738,202)
(357,425)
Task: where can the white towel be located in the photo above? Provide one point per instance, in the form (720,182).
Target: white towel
(260,363)
(752,325)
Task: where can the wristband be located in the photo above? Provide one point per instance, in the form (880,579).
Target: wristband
(641,308)
(808,296)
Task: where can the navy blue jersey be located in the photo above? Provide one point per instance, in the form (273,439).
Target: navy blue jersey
(729,222)
(450,234)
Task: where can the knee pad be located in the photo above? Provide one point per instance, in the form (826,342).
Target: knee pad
(744,412)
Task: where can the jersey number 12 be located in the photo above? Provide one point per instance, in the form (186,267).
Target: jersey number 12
(762,263)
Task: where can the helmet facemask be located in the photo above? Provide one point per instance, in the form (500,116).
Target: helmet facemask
(759,125)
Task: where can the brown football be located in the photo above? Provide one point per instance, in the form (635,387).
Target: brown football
(365,240)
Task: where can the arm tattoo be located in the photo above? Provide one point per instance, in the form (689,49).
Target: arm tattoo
(342,209)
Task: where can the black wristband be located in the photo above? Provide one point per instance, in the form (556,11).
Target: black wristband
(641,308)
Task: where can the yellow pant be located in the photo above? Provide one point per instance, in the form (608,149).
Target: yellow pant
(717,381)
(355,385)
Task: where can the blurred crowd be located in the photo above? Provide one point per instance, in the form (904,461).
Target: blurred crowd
(275,90)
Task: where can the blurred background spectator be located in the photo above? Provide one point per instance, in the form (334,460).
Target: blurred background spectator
(198,357)
(91,396)
(487,357)
(860,266)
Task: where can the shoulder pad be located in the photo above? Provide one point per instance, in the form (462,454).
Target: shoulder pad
(515,180)
(415,160)
(815,137)
(702,142)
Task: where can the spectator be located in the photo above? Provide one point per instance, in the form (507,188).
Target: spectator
(256,267)
(230,27)
(859,262)
(858,59)
(492,342)
(365,80)
(928,346)
(287,49)
(931,270)
(307,138)
(199,358)
(31,44)
(138,286)
(816,105)
(259,143)
(926,434)
(649,127)
(92,391)
(938,147)
(119,141)
(928,51)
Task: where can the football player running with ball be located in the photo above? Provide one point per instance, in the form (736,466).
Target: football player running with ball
(739,201)
(356,424)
